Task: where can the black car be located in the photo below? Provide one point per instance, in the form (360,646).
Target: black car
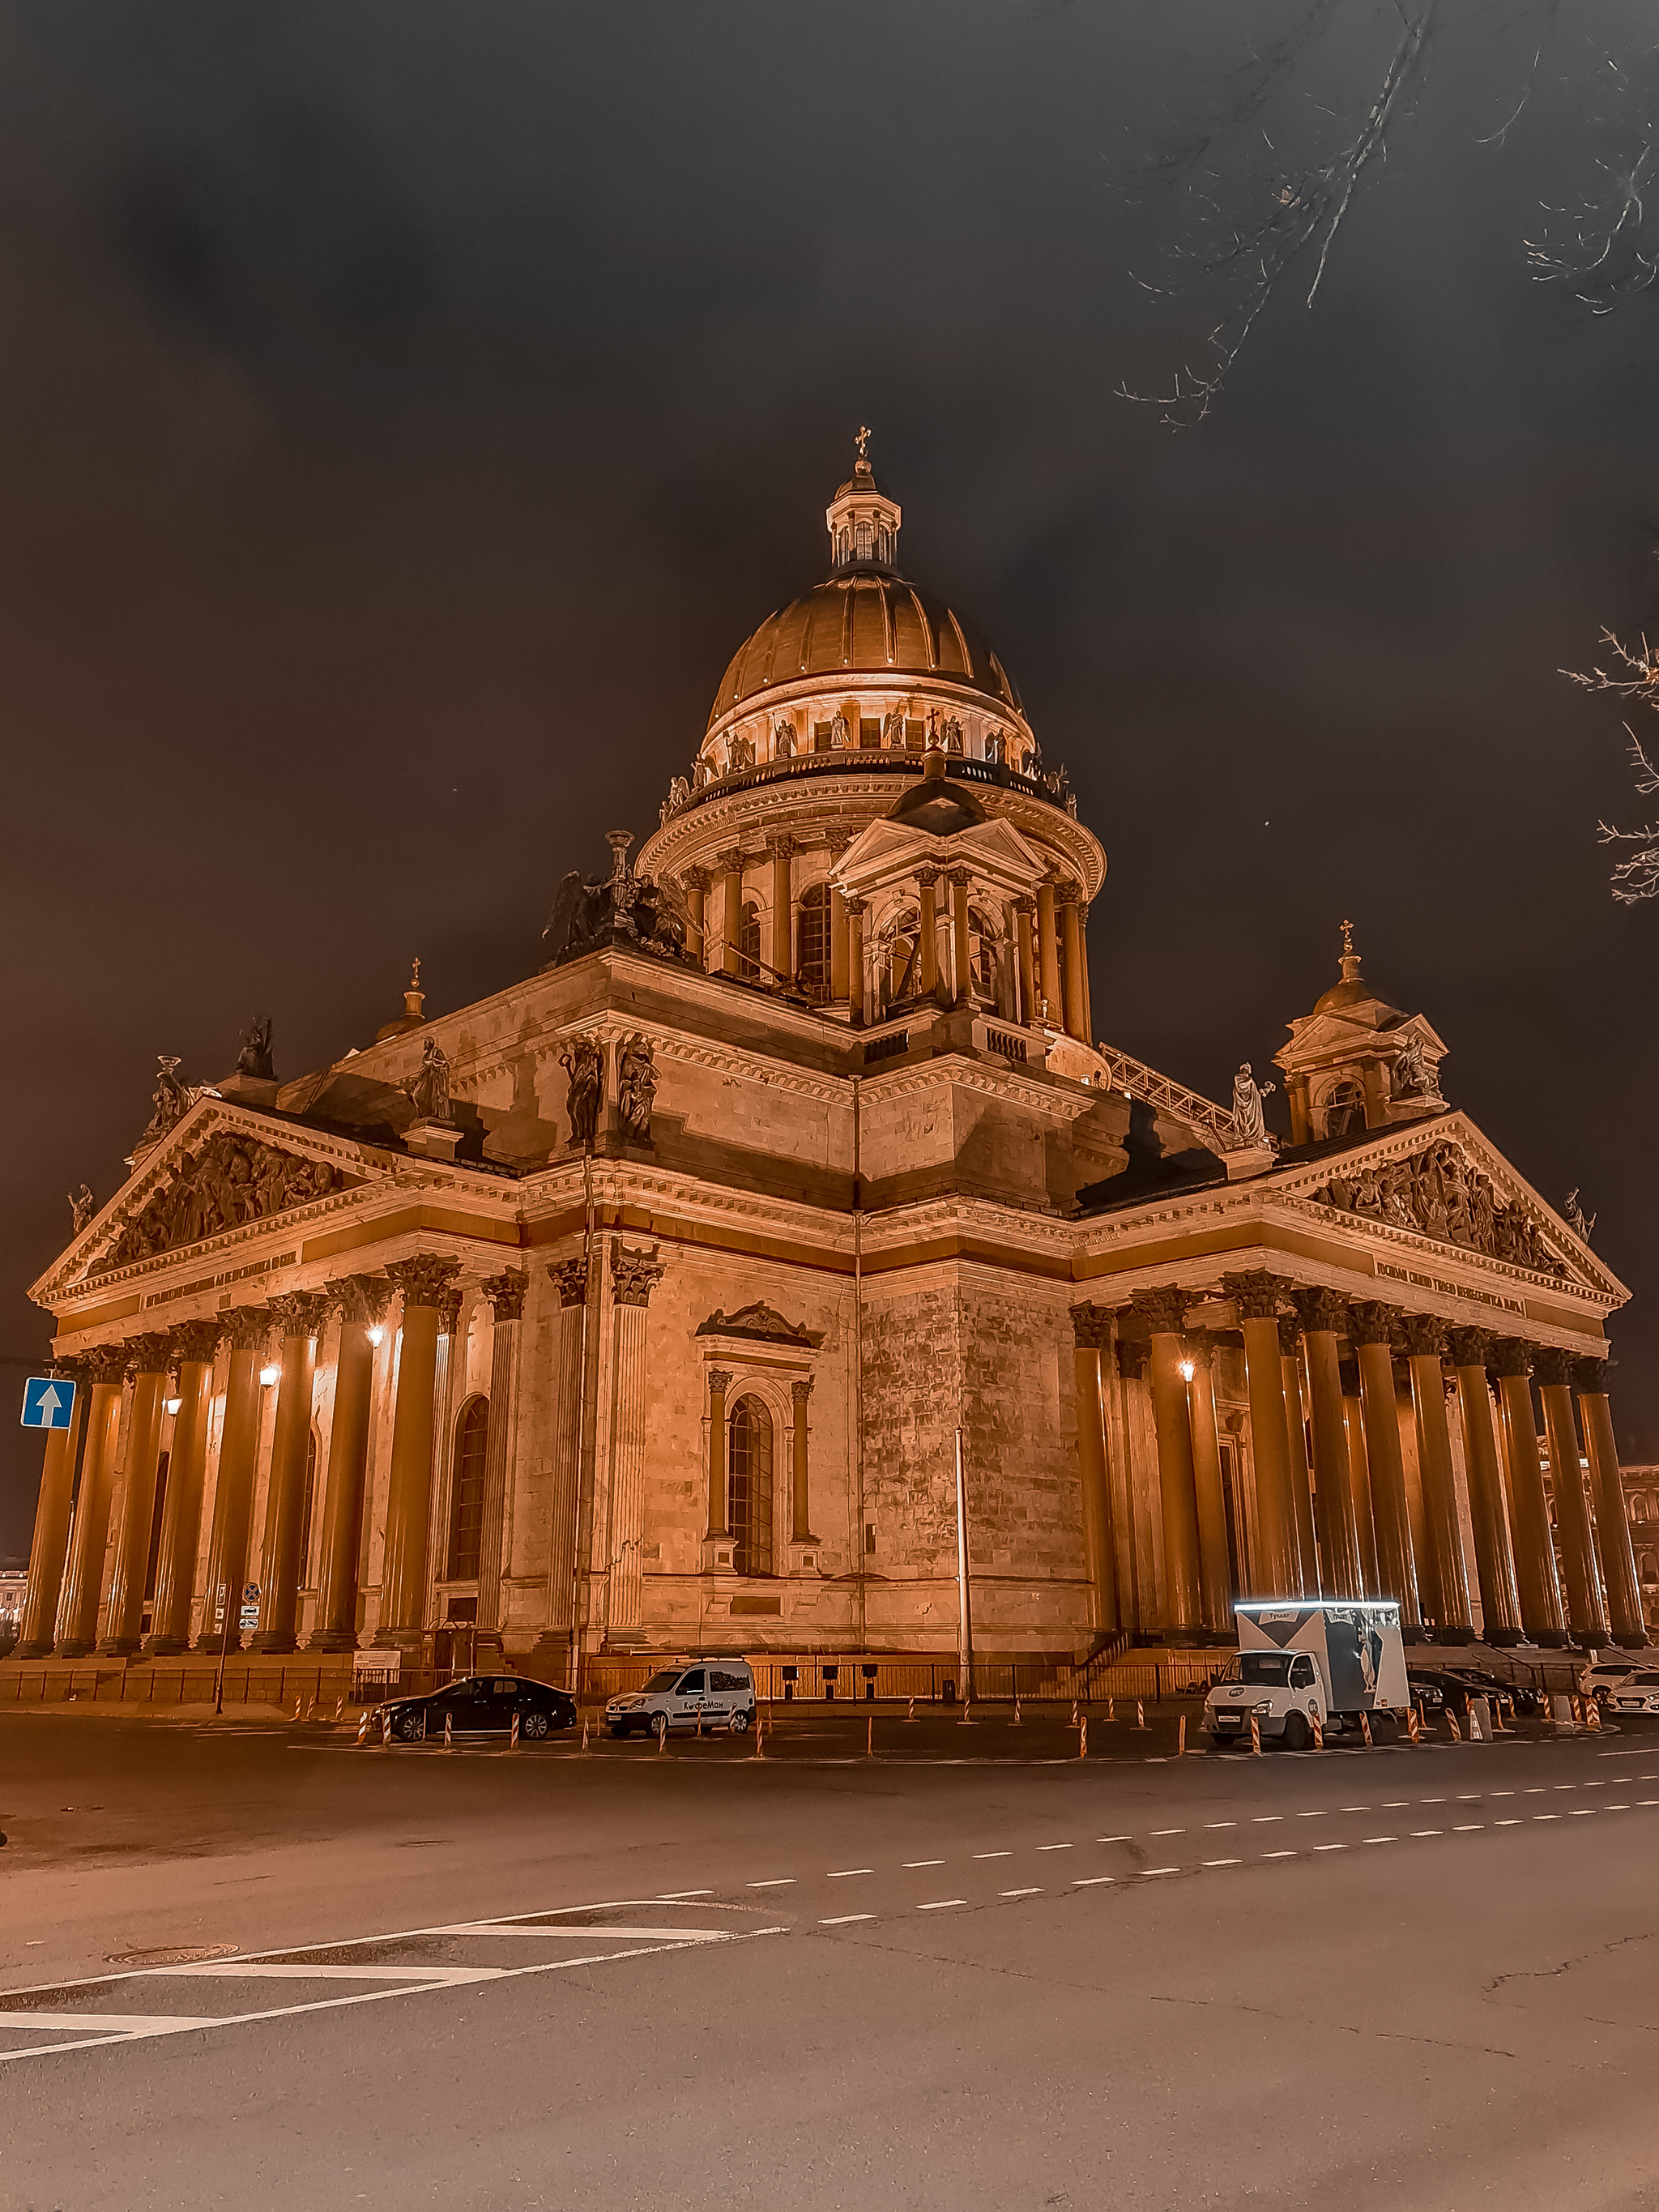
(1449,1688)
(484,1705)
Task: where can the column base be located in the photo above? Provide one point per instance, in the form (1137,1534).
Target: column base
(37,1648)
(274,1645)
(209,1647)
(550,1650)
(164,1647)
(396,1639)
(1455,1633)
(119,1647)
(78,1648)
(1547,1639)
(717,1547)
(331,1639)
(1505,1639)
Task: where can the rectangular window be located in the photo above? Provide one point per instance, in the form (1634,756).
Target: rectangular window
(869,735)
(821,738)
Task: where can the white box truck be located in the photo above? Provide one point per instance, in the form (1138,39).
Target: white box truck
(1302,1659)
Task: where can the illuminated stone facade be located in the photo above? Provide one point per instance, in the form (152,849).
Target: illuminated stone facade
(642,1305)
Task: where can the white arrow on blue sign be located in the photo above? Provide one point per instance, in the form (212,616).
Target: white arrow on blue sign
(47,1399)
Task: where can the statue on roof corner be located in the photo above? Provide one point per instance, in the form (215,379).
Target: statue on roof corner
(254,1058)
(83,1205)
(1250,1124)
(170,1100)
(1412,1077)
(1583,1225)
(429,1090)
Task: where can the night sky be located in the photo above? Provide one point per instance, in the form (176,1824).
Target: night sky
(407,410)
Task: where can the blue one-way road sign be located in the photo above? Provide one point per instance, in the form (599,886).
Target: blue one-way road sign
(47,1399)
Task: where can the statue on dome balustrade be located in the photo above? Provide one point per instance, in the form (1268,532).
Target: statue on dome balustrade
(892,729)
(783,738)
(739,754)
(840,733)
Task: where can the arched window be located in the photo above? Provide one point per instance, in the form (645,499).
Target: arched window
(1650,1571)
(466,1499)
(1638,1509)
(1345,1110)
(749,1480)
(983,956)
(749,944)
(307,1506)
(813,942)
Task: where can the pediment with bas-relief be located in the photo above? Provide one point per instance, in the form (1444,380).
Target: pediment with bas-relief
(214,1173)
(762,1323)
(1453,1188)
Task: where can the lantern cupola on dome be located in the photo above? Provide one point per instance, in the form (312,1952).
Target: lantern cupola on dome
(863,522)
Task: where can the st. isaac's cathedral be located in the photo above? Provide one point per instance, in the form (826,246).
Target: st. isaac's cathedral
(648,1303)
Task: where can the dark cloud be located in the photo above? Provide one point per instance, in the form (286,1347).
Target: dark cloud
(405,411)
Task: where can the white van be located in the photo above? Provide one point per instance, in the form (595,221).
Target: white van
(712,1691)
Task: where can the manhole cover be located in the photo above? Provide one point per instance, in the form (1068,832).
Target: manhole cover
(172,1955)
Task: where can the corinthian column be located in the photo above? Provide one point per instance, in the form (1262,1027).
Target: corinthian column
(856,913)
(1025,914)
(361,1302)
(300,1314)
(958,879)
(783,935)
(1164,1313)
(423,1281)
(1587,1612)
(1092,1327)
(570,1279)
(1296,1438)
(1214,1556)
(506,1293)
(1494,1559)
(1612,1516)
(47,1552)
(1256,1296)
(1448,1579)
(1322,1314)
(194,1347)
(1047,955)
(731,865)
(1070,925)
(78,1611)
(249,1327)
(634,1275)
(1541,1614)
(695,881)
(130,1569)
(1371,1325)
(927,929)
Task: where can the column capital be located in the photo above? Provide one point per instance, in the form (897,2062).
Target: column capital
(1025,906)
(449,1309)
(780,845)
(104,1362)
(248,1328)
(1589,1377)
(1289,1335)
(1551,1364)
(194,1340)
(1164,1310)
(423,1278)
(146,1355)
(1509,1355)
(1092,1327)
(1321,1311)
(506,1293)
(571,1277)
(730,863)
(719,1382)
(927,877)
(1257,1294)
(1469,1346)
(959,878)
(801,1390)
(696,878)
(1200,1348)
(857,909)
(635,1273)
(1422,1336)
(1133,1357)
(360,1299)
(1370,1321)
(300,1313)
(1067,892)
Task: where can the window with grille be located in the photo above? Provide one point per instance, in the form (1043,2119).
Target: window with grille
(466,1498)
(749,944)
(748,1487)
(813,942)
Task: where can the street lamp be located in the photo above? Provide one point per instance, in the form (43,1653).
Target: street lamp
(377,1336)
(270,1374)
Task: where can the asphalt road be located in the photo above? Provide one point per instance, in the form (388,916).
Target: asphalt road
(975,1971)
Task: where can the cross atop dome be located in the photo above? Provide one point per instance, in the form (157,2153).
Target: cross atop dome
(862,521)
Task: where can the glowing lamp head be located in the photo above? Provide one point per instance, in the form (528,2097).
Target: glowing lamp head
(1186,1370)
(377,1336)
(271,1373)
(171,1404)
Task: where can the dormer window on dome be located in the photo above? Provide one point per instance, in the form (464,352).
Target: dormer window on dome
(863,522)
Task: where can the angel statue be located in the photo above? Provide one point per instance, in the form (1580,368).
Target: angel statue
(783,738)
(171,1099)
(1412,1077)
(1582,1226)
(1250,1125)
(83,1205)
(254,1059)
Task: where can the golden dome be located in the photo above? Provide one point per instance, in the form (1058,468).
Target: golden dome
(868,624)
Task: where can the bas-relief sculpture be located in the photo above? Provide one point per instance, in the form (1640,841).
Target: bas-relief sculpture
(1440,1194)
(231,1181)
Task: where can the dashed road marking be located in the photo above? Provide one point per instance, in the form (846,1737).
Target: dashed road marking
(941,1903)
(846,1919)
(911,1865)
(1022,1893)
(845,1874)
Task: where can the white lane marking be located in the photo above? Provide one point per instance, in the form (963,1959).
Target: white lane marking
(778,1881)
(1547,1816)
(1566,1785)
(1257,1819)
(115,2024)
(1354,1809)
(1426,1831)
(1330,1847)
(1147,1872)
(1500,1793)
(911,1865)
(846,1919)
(842,1874)
(1469,1797)
(1278,1854)
(1507,1824)
(498,1928)
(1601,1785)
(941,1903)
(1059,1847)
(1431,1801)
(1536,1790)
(1469,1828)
(673,1896)
(1008,1855)
(1310,1816)
(220,1970)
(1648,1801)
(1094,1881)
(1581,1813)
(1022,1893)
(1220,1862)
(1616,1808)
(1208,1824)
(1168,1831)
(1114,1839)
(1395,1804)
(1381,1840)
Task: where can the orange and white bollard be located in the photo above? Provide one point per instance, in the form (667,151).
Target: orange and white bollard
(1256,1735)
(760,1736)
(385,1730)
(1083,1737)
(1181,1739)
(1593,1713)
(297,1709)
(1475,1734)
(363,1726)
(1017,1719)
(1365,1731)
(584,1744)
(512,1740)
(1111,1709)
(870,1736)
(662,1731)
(449,1731)
(1140,1712)
(1318,1733)
(911,1715)
(1075,1715)
(1451,1722)
(1414,1724)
